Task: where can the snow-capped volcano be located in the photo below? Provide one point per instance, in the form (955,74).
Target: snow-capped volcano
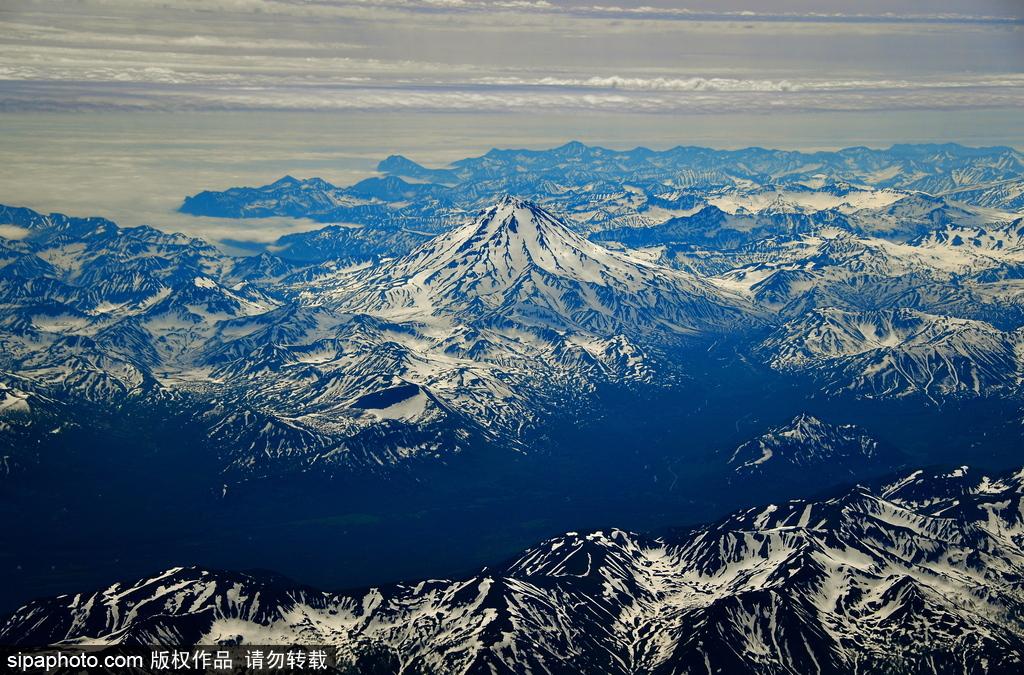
(518,262)
(487,328)
(511,239)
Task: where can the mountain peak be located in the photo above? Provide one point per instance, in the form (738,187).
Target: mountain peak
(509,200)
(807,441)
(508,204)
(510,211)
(516,236)
(572,148)
(520,259)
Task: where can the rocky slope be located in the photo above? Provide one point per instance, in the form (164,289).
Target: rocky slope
(920,575)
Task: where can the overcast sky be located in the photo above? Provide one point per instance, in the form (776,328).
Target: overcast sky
(518,55)
(122,107)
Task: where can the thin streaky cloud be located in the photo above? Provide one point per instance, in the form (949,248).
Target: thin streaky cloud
(78,96)
(641,12)
(506,55)
(740,85)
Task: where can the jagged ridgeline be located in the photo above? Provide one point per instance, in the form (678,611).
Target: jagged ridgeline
(919,575)
(480,333)
(472,335)
(462,360)
(642,198)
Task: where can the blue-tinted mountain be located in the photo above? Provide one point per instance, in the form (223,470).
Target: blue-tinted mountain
(486,331)
(918,575)
(498,320)
(643,197)
(808,449)
(623,269)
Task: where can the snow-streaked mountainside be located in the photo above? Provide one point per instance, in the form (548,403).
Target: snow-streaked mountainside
(356,353)
(899,352)
(519,267)
(810,444)
(431,315)
(963,271)
(919,575)
(474,336)
(897,193)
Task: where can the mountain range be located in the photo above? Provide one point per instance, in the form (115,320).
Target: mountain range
(470,358)
(478,334)
(464,337)
(917,575)
(710,196)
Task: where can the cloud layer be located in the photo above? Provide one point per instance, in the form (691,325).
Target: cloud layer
(508,55)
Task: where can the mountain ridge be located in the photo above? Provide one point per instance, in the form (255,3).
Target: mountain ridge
(604,189)
(849,581)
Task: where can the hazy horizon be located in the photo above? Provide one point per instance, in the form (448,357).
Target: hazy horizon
(135,168)
(121,108)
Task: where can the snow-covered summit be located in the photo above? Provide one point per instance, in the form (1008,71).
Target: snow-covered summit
(512,238)
(519,262)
